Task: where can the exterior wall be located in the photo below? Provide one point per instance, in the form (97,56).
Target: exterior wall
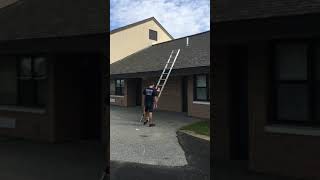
(196,109)
(286,154)
(131,40)
(222,104)
(31,123)
(171,98)
(120,100)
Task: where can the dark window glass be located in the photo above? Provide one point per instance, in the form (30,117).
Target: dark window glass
(40,69)
(119,87)
(153,35)
(27,92)
(25,70)
(201,88)
(292,61)
(293,83)
(23,81)
(293,102)
(32,82)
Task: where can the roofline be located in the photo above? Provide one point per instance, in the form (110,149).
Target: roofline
(182,38)
(141,22)
(175,72)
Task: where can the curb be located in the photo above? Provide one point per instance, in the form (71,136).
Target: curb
(191,133)
(197,151)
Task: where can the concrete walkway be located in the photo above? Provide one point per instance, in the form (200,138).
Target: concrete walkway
(133,142)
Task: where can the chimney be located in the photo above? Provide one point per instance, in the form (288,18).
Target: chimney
(187,41)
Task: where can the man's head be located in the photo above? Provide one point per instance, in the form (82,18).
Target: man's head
(151,85)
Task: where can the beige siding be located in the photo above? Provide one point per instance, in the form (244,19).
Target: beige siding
(131,40)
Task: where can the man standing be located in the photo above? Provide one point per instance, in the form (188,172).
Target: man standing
(150,102)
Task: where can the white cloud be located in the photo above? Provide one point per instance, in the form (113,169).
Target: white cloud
(179,17)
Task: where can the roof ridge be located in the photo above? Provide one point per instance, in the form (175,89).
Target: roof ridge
(181,38)
(141,22)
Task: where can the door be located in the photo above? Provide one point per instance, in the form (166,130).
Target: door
(139,92)
(184,94)
(239,99)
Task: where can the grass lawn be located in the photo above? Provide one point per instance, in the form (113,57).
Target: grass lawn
(201,127)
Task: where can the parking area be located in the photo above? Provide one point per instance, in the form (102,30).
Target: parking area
(133,142)
(25,160)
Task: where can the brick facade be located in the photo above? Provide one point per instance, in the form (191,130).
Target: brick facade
(170,100)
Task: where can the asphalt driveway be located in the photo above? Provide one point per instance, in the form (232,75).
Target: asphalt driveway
(135,143)
(25,160)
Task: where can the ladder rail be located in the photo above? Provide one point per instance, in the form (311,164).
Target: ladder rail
(164,68)
(167,77)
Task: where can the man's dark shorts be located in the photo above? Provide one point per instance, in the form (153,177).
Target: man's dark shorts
(149,107)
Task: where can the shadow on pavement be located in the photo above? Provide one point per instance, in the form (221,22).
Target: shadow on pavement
(25,160)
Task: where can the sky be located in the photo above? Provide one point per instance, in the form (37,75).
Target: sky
(179,17)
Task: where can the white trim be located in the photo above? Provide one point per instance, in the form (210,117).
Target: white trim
(23,109)
(201,102)
(116,96)
(295,130)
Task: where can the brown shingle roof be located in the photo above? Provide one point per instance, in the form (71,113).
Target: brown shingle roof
(231,10)
(154,58)
(28,19)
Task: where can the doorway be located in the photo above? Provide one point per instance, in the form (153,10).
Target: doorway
(78,97)
(239,124)
(139,92)
(184,94)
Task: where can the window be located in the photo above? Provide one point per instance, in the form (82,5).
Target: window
(153,35)
(296,84)
(201,88)
(25,82)
(119,87)
(32,81)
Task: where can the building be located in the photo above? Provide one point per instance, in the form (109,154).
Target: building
(52,62)
(266,60)
(187,89)
(129,39)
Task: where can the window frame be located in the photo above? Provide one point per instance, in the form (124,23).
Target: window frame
(156,35)
(309,82)
(195,98)
(121,87)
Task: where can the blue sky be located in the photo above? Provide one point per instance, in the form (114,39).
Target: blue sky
(179,17)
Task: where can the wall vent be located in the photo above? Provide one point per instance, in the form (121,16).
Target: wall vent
(187,39)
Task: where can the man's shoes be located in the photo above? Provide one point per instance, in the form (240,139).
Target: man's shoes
(150,125)
(145,122)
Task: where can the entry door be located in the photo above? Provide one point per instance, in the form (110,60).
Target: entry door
(184,94)
(139,92)
(239,99)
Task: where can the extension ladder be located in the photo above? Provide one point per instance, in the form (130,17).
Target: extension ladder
(167,70)
(165,73)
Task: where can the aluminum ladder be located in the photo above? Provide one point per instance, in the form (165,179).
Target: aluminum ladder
(167,70)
